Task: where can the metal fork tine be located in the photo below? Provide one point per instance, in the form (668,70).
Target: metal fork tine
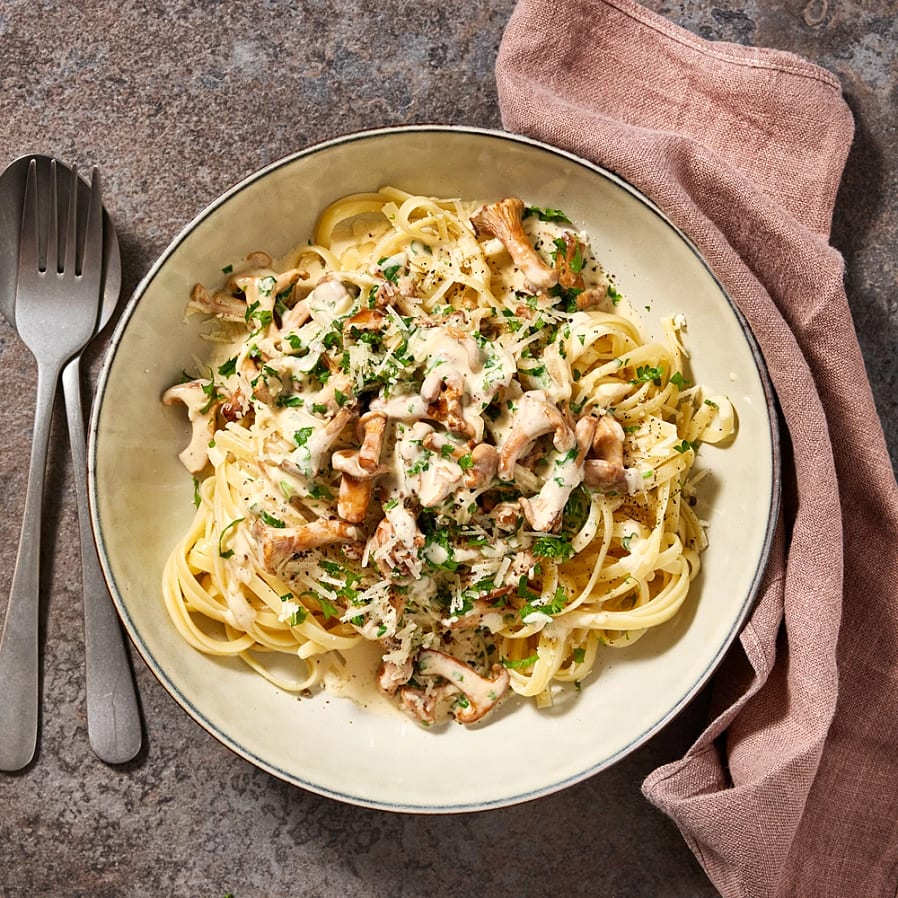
(52,259)
(93,238)
(29,255)
(71,227)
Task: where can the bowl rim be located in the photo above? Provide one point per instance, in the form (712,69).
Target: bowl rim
(738,623)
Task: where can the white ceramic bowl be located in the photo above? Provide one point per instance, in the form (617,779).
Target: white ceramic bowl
(142,497)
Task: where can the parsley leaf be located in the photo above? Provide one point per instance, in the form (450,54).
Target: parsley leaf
(301,437)
(556,547)
(545,214)
(271,520)
(226,553)
(647,374)
(519,663)
(229,367)
(553,606)
(328,608)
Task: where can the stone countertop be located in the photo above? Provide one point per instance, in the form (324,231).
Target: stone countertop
(176,101)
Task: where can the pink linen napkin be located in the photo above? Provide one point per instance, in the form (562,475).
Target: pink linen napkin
(792,789)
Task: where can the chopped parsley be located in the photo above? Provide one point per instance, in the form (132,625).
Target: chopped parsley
(328,608)
(212,396)
(556,547)
(271,520)
(301,437)
(535,605)
(437,546)
(576,262)
(320,491)
(226,553)
(545,214)
(567,296)
(520,663)
(229,367)
(648,374)
(262,317)
(297,616)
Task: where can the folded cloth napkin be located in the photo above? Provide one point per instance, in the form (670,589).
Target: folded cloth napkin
(792,789)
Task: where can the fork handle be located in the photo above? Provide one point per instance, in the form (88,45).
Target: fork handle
(113,715)
(19,650)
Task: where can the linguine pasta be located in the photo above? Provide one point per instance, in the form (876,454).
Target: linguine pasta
(436,429)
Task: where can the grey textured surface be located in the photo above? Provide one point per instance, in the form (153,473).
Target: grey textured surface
(177,100)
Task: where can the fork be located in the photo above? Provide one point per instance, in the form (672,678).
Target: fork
(57,303)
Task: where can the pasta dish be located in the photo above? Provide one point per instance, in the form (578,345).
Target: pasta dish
(436,431)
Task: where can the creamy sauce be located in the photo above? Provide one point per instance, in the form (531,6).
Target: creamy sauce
(353,675)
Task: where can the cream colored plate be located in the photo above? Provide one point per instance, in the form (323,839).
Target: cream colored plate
(142,497)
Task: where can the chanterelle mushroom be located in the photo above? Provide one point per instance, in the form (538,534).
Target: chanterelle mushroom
(390,676)
(444,393)
(395,543)
(201,414)
(359,467)
(373,426)
(220,304)
(423,703)
(308,460)
(356,484)
(484,462)
(606,473)
(504,220)
(534,417)
(365,320)
(543,512)
(295,318)
(482,693)
(568,264)
(278,545)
